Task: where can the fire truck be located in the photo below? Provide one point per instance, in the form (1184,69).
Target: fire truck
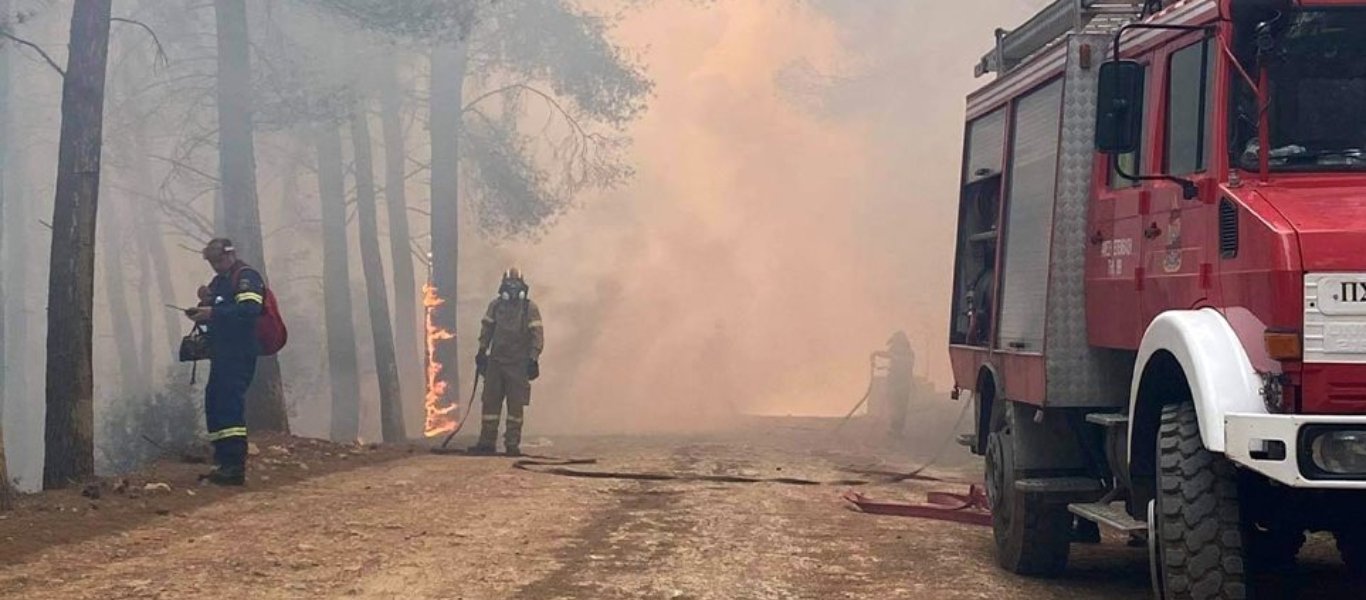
(1159,300)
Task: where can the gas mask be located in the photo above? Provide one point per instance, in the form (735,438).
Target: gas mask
(513,286)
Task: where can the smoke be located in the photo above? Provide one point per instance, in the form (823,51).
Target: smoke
(794,205)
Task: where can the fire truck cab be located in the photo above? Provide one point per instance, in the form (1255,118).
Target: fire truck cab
(1159,300)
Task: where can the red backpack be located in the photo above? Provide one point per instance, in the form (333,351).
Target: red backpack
(271,332)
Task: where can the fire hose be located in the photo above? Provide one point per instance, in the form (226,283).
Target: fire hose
(469,407)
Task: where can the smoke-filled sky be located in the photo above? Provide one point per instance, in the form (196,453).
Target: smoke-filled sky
(794,205)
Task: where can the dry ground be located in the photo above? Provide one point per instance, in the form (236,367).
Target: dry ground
(389,524)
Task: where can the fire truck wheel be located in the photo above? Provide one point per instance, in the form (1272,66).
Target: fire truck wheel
(1352,548)
(1198,522)
(1032,538)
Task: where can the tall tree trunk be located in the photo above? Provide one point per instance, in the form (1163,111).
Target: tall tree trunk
(342,364)
(18,401)
(448,78)
(69,433)
(400,243)
(237,169)
(116,297)
(149,360)
(154,248)
(390,392)
(161,269)
(6,494)
(5,142)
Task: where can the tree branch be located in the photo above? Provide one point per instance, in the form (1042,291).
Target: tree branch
(36,48)
(161,57)
(189,168)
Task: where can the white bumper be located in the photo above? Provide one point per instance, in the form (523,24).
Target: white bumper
(1245,435)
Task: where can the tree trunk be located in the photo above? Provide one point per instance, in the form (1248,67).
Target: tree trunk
(15,397)
(116,297)
(6,494)
(145,346)
(154,248)
(400,242)
(342,364)
(390,392)
(448,77)
(69,433)
(237,170)
(4,177)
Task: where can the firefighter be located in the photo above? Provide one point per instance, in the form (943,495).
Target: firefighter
(228,309)
(900,378)
(510,344)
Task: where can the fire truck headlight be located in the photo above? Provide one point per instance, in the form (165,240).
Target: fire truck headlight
(1338,451)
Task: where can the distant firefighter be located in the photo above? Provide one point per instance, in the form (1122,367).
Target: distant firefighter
(510,345)
(900,379)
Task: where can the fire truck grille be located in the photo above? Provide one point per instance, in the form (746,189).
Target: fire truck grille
(1228,229)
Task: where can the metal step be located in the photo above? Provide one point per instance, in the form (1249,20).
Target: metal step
(1062,489)
(1110,515)
(1108,419)
(968,440)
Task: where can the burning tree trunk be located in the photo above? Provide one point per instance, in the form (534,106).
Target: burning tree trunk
(241,213)
(390,393)
(341,330)
(400,240)
(448,77)
(69,433)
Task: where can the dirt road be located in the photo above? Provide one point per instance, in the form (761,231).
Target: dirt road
(428,526)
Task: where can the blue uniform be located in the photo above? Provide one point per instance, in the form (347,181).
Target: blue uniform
(237,300)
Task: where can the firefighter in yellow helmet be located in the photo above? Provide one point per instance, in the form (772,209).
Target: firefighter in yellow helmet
(510,345)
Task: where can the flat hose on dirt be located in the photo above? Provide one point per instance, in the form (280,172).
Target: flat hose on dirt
(561,467)
(556,466)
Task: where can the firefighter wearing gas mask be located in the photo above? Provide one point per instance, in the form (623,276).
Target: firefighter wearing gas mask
(510,345)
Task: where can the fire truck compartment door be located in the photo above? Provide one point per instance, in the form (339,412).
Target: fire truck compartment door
(1218,371)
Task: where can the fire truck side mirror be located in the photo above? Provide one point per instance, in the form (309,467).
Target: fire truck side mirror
(1119,107)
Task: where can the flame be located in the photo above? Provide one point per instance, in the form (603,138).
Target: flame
(440,419)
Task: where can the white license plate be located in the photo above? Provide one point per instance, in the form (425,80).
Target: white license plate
(1340,296)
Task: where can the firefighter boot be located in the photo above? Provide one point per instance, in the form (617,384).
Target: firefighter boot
(480,449)
(512,438)
(226,476)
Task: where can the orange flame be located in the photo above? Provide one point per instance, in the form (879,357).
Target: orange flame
(440,419)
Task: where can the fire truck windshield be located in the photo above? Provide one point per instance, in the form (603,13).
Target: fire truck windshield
(1317,67)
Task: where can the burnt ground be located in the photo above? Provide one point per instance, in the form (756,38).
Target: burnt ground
(394,523)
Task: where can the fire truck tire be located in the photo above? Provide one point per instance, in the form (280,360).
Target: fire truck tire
(1199,525)
(1352,549)
(1032,537)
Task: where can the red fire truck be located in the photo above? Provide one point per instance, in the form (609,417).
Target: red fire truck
(1160,286)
